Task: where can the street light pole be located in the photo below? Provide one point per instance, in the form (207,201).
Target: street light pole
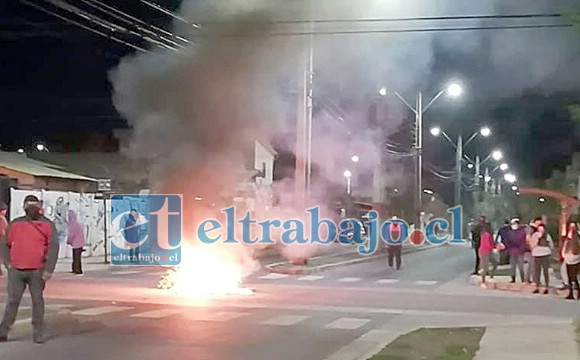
(476,192)
(419,164)
(458,162)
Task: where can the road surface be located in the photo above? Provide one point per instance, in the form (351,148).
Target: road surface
(114,314)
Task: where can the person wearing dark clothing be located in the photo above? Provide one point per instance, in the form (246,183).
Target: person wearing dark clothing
(30,251)
(131,233)
(516,246)
(395,250)
(476,240)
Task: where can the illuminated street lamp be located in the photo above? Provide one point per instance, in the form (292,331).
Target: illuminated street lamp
(485,131)
(21,151)
(435,131)
(514,188)
(453,90)
(504,167)
(497,155)
(355,158)
(470,166)
(511,178)
(427,191)
(542,200)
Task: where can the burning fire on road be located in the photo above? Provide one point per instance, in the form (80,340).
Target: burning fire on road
(206,272)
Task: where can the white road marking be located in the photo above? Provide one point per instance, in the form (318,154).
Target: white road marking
(425,283)
(58,306)
(126,272)
(387,281)
(347,323)
(101,310)
(310,278)
(349,279)
(157,314)
(218,316)
(273,276)
(285,320)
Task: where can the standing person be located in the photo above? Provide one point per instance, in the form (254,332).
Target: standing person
(528,258)
(500,241)
(76,239)
(3,226)
(486,247)
(570,233)
(395,250)
(476,240)
(542,246)
(571,255)
(30,252)
(516,245)
(131,231)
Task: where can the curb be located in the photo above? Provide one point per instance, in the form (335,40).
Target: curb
(517,288)
(316,269)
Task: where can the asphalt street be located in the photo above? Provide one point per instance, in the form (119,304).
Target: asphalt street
(118,314)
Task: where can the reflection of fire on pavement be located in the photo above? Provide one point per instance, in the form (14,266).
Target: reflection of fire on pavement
(205,271)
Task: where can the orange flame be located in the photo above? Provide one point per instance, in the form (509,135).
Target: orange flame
(205,272)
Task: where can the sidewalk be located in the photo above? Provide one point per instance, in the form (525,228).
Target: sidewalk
(502,283)
(529,342)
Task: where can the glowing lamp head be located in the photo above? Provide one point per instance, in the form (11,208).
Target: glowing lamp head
(497,155)
(435,131)
(355,159)
(511,178)
(470,166)
(485,131)
(40,147)
(21,151)
(504,167)
(347,173)
(383,91)
(487,179)
(454,90)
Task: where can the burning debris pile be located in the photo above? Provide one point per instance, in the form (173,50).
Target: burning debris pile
(205,272)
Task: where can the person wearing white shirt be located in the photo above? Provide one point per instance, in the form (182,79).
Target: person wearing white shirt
(542,246)
(571,256)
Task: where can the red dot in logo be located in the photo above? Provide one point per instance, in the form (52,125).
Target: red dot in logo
(165,258)
(417,237)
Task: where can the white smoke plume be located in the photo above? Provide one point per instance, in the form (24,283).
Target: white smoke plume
(196,113)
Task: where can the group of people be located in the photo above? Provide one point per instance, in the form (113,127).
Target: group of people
(29,247)
(527,244)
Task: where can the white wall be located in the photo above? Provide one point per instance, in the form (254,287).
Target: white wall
(262,155)
(89,211)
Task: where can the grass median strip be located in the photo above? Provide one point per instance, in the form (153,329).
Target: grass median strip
(434,344)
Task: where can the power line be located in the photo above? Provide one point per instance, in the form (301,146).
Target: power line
(132,21)
(407,19)
(425,30)
(73,22)
(169,12)
(103,23)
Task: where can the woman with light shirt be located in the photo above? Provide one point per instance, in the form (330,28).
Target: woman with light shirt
(542,246)
(571,255)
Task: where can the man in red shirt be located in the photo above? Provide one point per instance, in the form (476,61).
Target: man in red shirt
(30,251)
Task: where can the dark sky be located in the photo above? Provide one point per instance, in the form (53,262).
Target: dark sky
(54,88)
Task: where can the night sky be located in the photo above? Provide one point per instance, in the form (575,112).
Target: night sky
(54,88)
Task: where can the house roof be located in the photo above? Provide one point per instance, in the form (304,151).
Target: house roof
(266,145)
(22,163)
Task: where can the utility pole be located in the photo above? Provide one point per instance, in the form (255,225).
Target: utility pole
(419,163)
(300,169)
(458,169)
(476,182)
(485,181)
